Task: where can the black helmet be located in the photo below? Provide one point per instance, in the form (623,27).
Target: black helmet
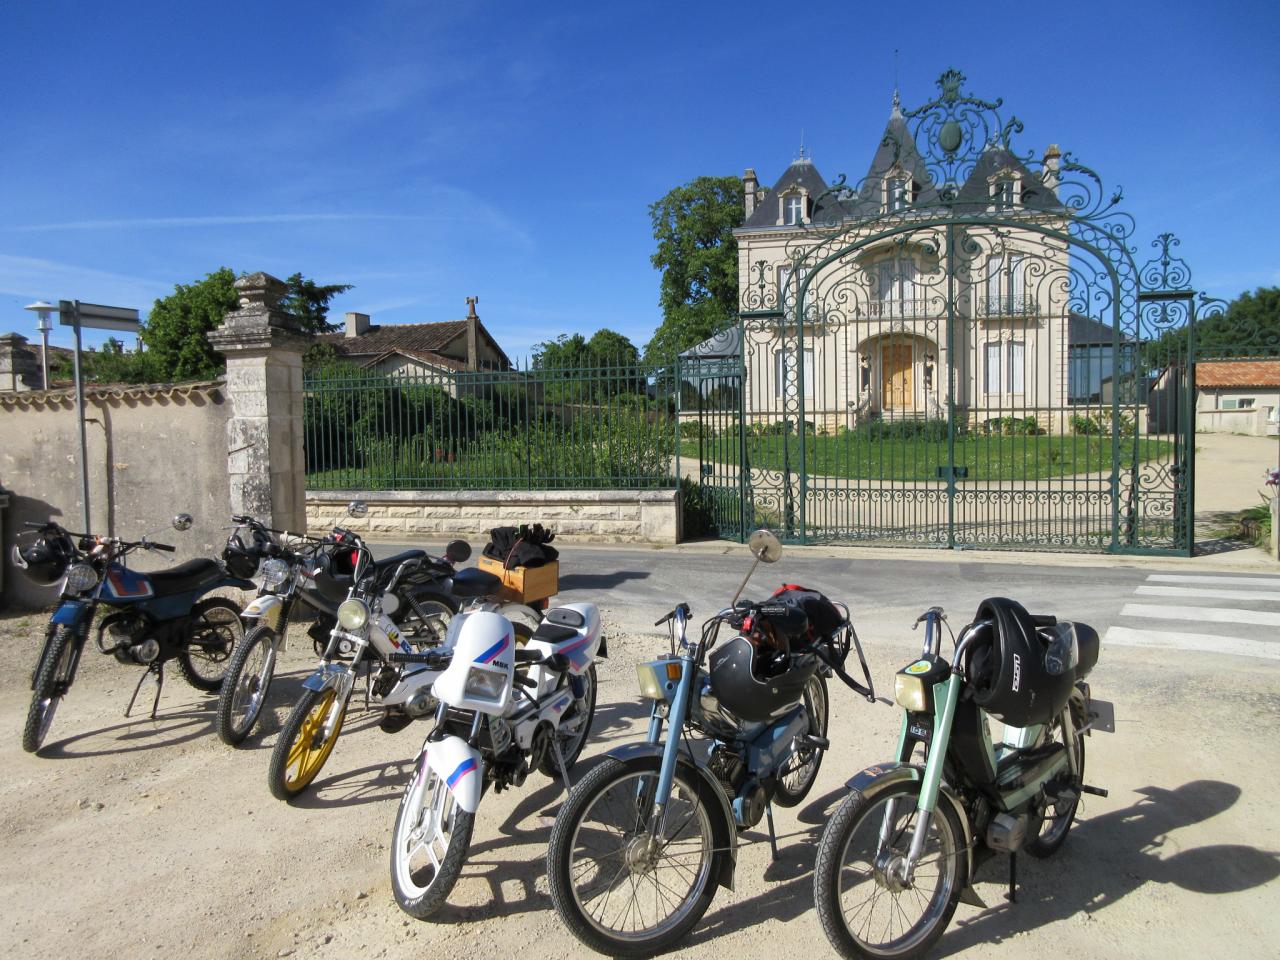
(752,684)
(332,570)
(43,556)
(242,559)
(1005,667)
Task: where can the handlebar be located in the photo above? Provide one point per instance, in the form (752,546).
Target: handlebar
(431,658)
(160,546)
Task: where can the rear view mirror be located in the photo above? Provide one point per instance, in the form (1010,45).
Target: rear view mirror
(764,546)
(357,509)
(183,521)
(457,551)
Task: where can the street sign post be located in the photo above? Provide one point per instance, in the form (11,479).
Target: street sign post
(77,315)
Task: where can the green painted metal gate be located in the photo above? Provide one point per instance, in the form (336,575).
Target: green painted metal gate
(963,349)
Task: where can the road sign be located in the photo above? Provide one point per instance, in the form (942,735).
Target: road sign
(99,317)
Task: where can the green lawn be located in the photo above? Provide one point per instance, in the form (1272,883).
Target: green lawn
(987,458)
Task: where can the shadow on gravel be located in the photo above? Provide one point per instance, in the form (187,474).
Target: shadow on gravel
(599,581)
(139,732)
(1115,854)
(355,788)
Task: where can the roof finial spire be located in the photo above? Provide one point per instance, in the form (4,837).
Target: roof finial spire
(802,156)
(897,101)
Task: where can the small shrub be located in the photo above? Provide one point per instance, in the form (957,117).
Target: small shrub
(1014,427)
(927,430)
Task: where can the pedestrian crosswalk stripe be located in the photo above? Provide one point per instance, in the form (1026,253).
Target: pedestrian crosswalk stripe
(1219,581)
(1158,591)
(1209,643)
(1210,614)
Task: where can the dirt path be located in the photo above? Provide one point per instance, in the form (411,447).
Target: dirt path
(140,838)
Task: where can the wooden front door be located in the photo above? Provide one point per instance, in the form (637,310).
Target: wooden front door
(895,368)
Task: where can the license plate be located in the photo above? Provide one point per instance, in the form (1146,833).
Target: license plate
(1102,716)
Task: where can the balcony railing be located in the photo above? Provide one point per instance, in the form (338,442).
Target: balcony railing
(906,309)
(1008,305)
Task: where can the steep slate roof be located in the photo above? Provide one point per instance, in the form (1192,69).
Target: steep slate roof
(898,148)
(1083,331)
(1238,373)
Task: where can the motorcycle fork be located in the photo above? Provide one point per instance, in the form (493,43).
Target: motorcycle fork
(671,749)
(931,782)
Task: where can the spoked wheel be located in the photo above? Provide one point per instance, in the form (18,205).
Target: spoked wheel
(245,686)
(306,740)
(1055,816)
(621,889)
(867,906)
(798,774)
(215,631)
(575,727)
(429,844)
(423,618)
(50,686)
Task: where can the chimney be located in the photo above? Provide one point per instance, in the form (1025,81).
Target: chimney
(357,324)
(750,188)
(473,334)
(1052,166)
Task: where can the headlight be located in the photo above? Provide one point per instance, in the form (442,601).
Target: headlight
(485,684)
(352,614)
(81,577)
(658,678)
(911,686)
(274,572)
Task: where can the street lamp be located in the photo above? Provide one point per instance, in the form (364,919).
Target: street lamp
(44,325)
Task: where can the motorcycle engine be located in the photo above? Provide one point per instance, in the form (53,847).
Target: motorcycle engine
(130,640)
(1006,832)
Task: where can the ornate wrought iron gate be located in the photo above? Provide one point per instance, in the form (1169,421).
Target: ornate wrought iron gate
(961,350)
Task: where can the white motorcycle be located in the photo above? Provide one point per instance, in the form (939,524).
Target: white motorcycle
(504,710)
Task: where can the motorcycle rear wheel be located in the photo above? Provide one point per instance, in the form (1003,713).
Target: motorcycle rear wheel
(798,775)
(1049,829)
(595,853)
(429,843)
(50,685)
(853,875)
(244,688)
(571,744)
(304,746)
(207,649)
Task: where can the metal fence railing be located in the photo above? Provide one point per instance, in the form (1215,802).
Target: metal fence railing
(549,428)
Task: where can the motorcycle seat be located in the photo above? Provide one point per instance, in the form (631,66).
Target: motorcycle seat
(185,577)
(474,582)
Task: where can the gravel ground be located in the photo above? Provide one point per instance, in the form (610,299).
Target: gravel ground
(136,838)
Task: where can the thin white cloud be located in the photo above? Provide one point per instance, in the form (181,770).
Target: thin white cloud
(215,221)
(34,277)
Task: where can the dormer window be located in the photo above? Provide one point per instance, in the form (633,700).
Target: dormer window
(897,194)
(793,210)
(1005,193)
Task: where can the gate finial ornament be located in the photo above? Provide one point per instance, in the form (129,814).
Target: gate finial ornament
(950,82)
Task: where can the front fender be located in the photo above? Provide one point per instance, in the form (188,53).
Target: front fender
(327,675)
(267,608)
(461,768)
(725,828)
(875,779)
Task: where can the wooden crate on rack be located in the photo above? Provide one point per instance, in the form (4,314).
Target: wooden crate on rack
(525,584)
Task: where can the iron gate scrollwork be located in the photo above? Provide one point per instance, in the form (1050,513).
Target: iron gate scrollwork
(961,349)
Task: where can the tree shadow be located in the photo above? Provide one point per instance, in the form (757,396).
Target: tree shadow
(1116,854)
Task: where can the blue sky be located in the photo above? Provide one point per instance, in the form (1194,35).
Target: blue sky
(427,152)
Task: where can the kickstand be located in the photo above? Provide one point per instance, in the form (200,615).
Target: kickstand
(1012,895)
(564,771)
(368,687)
(773,837)
(156,669)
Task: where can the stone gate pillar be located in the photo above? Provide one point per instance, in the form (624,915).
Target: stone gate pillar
(264,346)
(19,368)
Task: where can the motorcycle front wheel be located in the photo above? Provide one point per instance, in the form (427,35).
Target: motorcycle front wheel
(798,774)
(306,740)
(207,650)
(244,688)
(620,889)
(866,906)
(50,686)
(429,844)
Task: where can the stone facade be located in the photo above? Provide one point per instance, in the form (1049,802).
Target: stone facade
(605,516)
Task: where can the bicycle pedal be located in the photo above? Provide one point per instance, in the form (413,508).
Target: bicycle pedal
(1094,791)
(813,740)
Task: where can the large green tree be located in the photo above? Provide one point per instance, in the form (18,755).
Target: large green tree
(698,256)
(1249,327)
(308,301)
